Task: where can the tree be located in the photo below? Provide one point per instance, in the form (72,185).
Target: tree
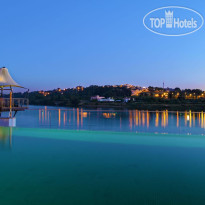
(75,101)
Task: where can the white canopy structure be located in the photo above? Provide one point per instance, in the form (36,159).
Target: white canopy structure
(6,80)
(7,83)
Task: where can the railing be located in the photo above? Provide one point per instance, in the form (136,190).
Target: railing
(16,103)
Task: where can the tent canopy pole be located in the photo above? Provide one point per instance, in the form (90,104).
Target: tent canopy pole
(10,113)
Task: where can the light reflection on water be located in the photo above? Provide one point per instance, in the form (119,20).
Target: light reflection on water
(114,120)
(6,137)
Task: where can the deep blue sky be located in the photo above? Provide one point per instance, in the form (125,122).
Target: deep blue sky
(47,44)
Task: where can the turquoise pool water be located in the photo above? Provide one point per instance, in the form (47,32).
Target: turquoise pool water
(43,165)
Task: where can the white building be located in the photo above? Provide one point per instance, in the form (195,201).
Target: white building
(107,100)
(97,97)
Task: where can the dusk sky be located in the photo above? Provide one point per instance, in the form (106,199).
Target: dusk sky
(47,44)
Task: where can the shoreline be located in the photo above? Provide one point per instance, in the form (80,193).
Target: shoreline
(139,106)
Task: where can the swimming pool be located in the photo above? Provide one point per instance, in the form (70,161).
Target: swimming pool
(42,165)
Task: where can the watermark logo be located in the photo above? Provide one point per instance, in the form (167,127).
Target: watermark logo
(169,18)
(173,21)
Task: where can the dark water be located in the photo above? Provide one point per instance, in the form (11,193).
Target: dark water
(113,120)
(43,165)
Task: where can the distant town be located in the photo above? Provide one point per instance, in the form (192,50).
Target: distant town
(121,96)
(157,92)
